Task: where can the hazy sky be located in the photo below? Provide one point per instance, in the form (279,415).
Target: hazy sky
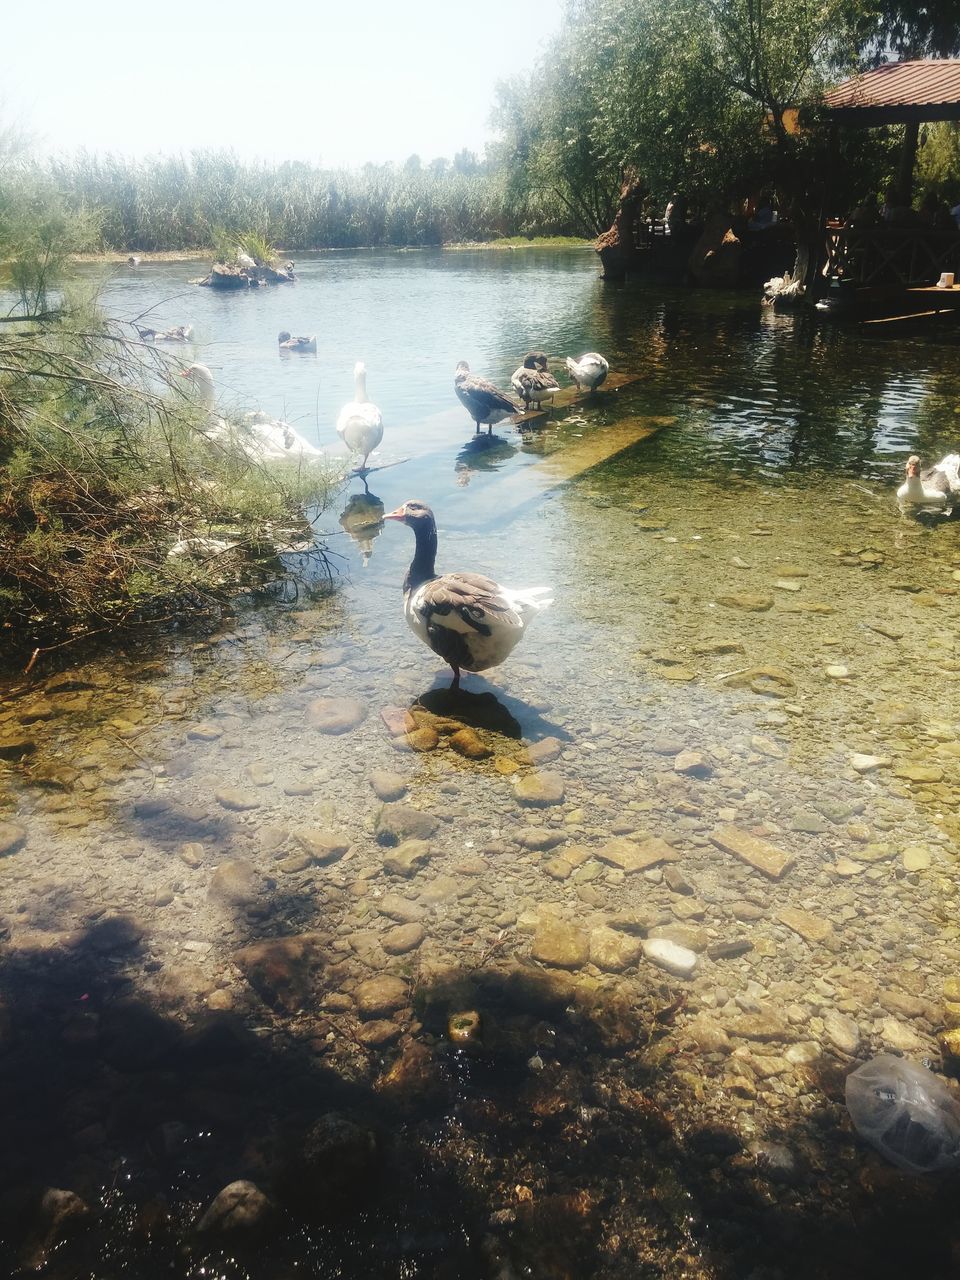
(341,83)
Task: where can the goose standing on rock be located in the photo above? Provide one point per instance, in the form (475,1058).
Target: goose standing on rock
(286,343)
(360,425)
(589,371)
(272,439)
(468,620)
(937,487)
(481,399)
(533,382)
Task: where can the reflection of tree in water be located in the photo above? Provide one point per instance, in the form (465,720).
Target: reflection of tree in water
(482,453)
(362,519)
(793,392)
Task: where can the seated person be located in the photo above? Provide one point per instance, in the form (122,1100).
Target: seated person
(896,212)
(764,215)
(935,213)
(866,214)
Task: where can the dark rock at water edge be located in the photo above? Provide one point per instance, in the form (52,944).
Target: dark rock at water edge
(231,276)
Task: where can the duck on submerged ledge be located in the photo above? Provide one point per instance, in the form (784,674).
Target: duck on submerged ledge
(360,424)
(589,371)
(533,382)
(937,487)
(481,399)
(468,620)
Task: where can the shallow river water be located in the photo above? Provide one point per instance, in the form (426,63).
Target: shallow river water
(271,916)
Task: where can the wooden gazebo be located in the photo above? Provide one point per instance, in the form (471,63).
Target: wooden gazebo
(906,257)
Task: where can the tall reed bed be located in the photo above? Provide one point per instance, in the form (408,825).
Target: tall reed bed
(182,202)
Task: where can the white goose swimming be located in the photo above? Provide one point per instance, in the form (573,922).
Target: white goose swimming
(589,371)
(468,620)
(360,425)
(271,438)
(937,487)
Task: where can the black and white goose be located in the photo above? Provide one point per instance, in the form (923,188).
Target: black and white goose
(589,371)
(468,620)
(533,382)
(936,487)
(481,399)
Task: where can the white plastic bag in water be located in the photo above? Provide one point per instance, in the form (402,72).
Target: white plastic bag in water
(906,1112)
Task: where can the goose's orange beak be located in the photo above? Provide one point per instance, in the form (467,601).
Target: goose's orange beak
(399,514)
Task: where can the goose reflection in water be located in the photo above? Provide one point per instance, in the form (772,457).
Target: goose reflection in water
(362,519)
(482,453)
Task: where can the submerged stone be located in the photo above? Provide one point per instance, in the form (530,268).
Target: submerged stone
(560,944)
(539,788)
(322,846)
(240,1208)
(755,852)
(12,836)
(335,715)
(671,956)
(749,601)
(282,970)
(382,995)
(397,822)
(407,858)
(386,785)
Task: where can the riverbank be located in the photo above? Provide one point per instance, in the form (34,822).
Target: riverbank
(192,255)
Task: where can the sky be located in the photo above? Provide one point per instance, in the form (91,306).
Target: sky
(334,83)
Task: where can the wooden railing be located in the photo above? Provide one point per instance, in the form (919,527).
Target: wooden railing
(903,256)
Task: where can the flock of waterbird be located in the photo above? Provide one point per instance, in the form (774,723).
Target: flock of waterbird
(470,621)
(467,619)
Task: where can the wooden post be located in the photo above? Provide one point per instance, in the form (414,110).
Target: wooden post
(908,158)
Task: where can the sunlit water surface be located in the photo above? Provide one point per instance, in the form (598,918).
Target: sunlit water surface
(737,584)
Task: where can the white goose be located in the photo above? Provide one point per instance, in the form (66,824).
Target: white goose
(271,439)
(359,424)
(589,371)
(468,620)
(937,487)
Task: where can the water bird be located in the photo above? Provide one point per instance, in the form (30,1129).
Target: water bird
(286,343)
(589,371)
(468,620)
(180,333)
(533,382)
(359,424)
(270,438)
(244,259)
(134,260)
(199,548)
(481,399)
(938,486)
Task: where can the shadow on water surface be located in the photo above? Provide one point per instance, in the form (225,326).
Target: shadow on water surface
(524,1125)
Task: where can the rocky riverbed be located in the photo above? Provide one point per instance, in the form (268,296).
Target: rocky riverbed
(305,967)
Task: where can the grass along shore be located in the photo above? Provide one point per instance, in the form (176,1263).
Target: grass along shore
(200,255)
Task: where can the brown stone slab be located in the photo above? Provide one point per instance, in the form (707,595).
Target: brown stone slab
(810,928)
(757,853)
(632,855)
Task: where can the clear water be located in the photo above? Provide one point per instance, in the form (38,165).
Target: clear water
(614,1120)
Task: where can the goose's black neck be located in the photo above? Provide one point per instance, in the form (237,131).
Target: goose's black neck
(423,566)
